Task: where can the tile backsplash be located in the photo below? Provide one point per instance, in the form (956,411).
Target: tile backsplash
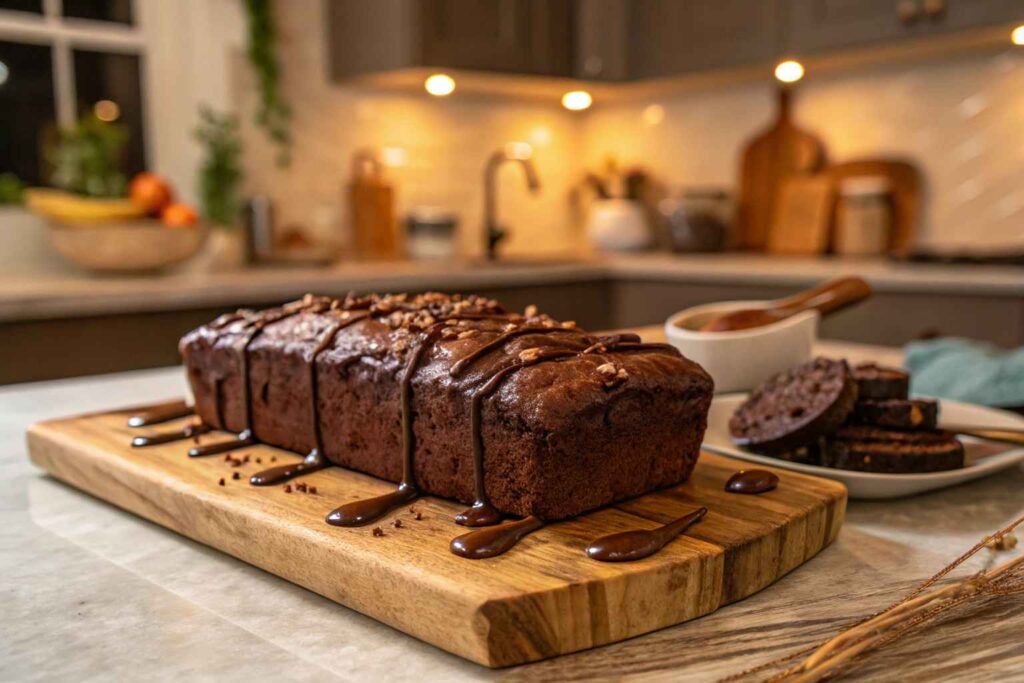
(961,120)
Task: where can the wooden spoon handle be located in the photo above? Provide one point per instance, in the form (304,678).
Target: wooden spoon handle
(828,297)
(1014,436)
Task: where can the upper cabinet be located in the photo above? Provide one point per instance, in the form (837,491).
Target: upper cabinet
(626,40)
(516,36)
(818,25)
(667,38)
(510,36)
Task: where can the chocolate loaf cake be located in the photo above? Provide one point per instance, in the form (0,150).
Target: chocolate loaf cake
(453,396)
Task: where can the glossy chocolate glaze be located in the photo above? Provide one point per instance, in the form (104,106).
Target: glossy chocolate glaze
(494,540)
(369,510)
(162,413)
(752,482)
(186,432)
(498,342)
(275,475)
(628,546)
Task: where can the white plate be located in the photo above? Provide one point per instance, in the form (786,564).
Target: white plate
(983,458)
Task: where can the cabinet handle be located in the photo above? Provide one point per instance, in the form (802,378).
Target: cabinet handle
(934,9)
(908,11)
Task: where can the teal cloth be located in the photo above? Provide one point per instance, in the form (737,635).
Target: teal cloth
(966,370)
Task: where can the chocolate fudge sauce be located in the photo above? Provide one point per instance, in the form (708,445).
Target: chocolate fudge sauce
(275,475)
(495,540)
(627,546)
(162,413)
(186,432)
(752,482)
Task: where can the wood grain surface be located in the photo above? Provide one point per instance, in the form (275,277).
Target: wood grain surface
(543,598)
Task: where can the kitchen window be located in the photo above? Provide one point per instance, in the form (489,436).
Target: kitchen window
(61,60)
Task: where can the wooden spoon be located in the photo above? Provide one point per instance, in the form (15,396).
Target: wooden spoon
(826,298)
(1002,434)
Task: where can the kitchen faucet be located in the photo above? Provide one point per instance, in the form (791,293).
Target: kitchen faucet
(514,151)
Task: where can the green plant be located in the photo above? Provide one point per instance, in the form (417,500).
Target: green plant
(220,174)
(87,157)
(273,114)
(11,189)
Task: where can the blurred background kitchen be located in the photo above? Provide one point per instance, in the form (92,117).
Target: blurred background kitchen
(611,161)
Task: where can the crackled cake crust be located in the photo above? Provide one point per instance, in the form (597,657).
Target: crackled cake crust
(574,422)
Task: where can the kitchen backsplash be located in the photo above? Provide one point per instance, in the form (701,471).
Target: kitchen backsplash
(961,120)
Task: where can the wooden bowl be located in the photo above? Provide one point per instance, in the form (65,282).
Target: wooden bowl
(136,246)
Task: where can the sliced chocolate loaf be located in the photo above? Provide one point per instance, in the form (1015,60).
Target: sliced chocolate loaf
(871,449)
(878,382)
(897,413)
(545,418)
(793,409)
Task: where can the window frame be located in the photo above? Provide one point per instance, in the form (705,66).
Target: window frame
(64,35)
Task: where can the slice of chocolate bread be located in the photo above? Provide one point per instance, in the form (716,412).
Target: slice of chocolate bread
(893,457)
(795,408)
(897,413)
(878,382)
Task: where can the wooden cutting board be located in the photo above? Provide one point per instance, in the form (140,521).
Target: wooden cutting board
(542,598)
(777,153)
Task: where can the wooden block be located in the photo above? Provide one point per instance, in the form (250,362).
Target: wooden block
(543,598)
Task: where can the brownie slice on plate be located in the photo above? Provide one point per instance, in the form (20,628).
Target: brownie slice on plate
(794,408)
(896,413)
(878,382)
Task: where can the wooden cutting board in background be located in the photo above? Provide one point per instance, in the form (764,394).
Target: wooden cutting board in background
(906,187)
(781,151)
(802,220)
(543,598)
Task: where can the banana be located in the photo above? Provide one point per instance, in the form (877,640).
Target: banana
(65,207)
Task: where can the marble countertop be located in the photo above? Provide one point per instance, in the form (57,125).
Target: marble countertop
(56,295)
(93,593)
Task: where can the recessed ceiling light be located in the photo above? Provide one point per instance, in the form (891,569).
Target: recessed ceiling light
(439,85)
(789,71)
(577,100)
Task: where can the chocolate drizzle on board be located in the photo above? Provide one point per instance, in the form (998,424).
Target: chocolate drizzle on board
(162,413)
(752,482)
(187,432)
(481,543)
(628,546)
(495,540)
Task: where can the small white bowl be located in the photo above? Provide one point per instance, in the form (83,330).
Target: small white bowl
(741,360)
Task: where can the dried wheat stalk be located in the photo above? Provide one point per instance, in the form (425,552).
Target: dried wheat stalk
(917,609)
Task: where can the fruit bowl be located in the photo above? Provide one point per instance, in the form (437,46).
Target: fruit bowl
(130,246)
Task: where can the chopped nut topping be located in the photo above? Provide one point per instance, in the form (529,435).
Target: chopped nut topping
(468,334)
(531,311)
(530,354)
(449,334)
(569,324)
(509,327)
(608,369)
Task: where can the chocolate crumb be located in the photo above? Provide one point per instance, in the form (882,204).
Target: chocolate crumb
(236,463)
(273,458)
(301,486)
(221,482)
(397,524)
(235,475)
(377,531)
(312,489)
(259,460)
(287,488)
(227,457)
(246,458)
(419,515)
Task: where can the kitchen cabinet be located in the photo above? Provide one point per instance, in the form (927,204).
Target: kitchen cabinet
(818,25)
(670,38)
(505,36)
